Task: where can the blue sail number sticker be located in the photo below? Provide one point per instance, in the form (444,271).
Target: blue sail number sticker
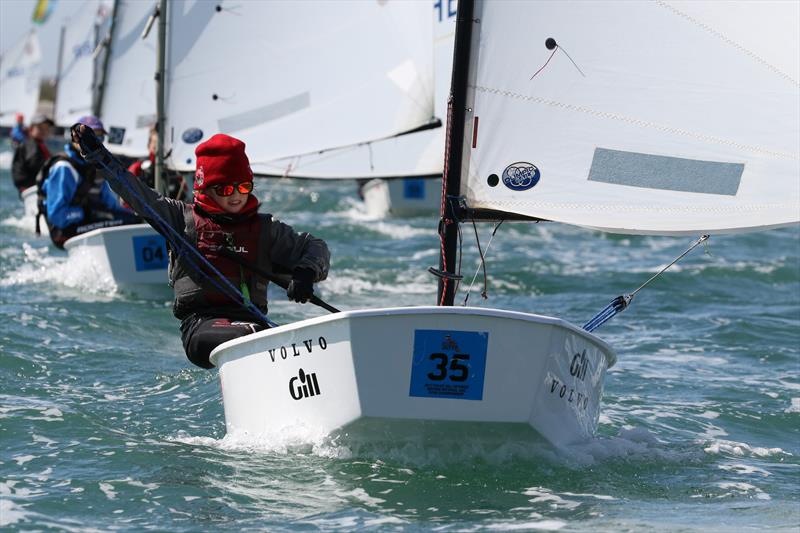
(449,364)
(150,252)
(414,188)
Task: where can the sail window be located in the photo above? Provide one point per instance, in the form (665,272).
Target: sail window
(267,113)
(667,173)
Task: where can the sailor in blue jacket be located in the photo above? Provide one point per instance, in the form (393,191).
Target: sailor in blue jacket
(77,198)
(18,132)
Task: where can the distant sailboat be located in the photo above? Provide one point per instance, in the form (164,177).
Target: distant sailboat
(79,73)
(20,75)
(135,255)
(309,86)
(128,105)
(628,117)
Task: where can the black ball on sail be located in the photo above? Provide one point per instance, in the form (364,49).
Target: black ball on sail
(550,43)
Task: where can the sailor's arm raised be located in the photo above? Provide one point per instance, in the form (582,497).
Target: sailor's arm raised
(145,201)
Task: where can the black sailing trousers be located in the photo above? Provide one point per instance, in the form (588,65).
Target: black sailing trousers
(201,334)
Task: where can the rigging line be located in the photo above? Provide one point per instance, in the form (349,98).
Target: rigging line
(692,247)
(620,303)
(460,257)
(483,259)
(181,245)
(545,63)
(573,61)
(482,263)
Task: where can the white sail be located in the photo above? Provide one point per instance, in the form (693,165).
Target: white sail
(654,117)
(20,75)
(76,81)
(415,154)
(287,77)
(129,98)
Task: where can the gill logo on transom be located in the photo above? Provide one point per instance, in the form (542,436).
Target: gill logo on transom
(303,386)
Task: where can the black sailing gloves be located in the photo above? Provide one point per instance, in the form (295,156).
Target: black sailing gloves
(92,150)
(301,288)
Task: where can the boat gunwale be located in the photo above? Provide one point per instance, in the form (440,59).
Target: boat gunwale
(78,240)
(610,354)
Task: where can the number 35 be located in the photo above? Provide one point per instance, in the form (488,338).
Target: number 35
(458,371)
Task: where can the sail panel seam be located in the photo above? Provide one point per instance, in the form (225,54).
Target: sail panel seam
(640,122)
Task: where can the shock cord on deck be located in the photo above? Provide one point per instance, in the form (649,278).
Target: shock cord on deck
(619,303)
(482,264)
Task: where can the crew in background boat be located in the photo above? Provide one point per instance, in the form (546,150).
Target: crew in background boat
(31,154)
(74,197)
(222,220)
(18,132)
(145,170)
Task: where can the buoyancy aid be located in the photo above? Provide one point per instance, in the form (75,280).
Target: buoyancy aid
(88,193)
(248,236)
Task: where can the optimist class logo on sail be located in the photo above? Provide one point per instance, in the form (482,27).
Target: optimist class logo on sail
(521,176)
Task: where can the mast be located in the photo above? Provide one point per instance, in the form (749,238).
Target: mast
(97,105)
(451,180)
(160,184)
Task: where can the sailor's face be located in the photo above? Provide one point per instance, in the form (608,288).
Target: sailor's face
(40,131)
(231,204)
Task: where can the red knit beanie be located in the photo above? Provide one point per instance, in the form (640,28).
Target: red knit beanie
(221,160)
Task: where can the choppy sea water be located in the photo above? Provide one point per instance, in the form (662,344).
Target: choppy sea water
(105,425)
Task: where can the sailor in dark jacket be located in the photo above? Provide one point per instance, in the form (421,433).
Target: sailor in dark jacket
(31,153)
(222,219)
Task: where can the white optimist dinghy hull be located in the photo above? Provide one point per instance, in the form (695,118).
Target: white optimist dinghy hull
(415,363)
(134,255)
(402,196)
(29,201)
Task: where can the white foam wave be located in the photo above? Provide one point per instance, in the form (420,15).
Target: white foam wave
(741,468)
(740,449)
(356,210)
(630,444)
(361,496)
(24,222)
(77,270)
(22,459)
(108,490)
(541,525)
(12,512)
(794,408)
(554,501)
(293,439)
(742,489)
(348,283)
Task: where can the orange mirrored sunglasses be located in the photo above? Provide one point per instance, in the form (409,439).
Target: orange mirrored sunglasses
(246,187)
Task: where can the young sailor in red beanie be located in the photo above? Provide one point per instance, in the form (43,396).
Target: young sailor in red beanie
(223,219)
